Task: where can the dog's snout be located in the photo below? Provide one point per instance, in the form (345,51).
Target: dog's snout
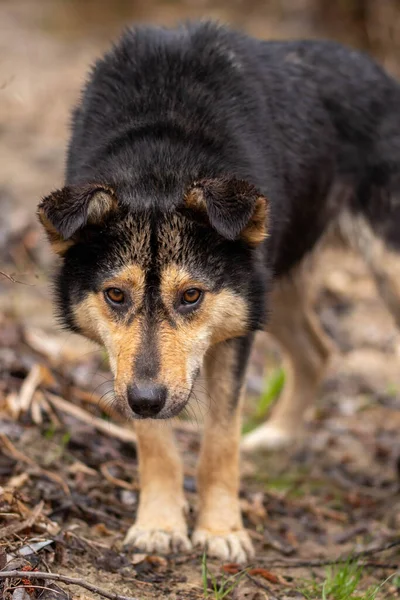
(147,399)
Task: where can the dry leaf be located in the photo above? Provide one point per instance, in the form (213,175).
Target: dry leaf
(265,575)
(231,568)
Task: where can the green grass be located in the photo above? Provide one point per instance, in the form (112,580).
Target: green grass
(392,390)
(214,588)
(50,432)
(273,387)
(342,582)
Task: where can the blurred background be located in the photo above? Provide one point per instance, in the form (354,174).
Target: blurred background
(46,47)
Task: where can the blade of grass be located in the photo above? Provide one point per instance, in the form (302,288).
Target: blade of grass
(273,387)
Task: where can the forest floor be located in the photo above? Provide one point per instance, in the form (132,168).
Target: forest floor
(324,515)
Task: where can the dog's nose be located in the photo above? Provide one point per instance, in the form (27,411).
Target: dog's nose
(147,399)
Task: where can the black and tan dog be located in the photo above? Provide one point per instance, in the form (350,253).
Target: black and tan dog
(204,165)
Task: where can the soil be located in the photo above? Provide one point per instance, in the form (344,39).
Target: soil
(69,487)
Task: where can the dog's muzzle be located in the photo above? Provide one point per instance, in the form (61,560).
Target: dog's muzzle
(147,399)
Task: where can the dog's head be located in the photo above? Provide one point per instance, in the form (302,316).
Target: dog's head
(158,288)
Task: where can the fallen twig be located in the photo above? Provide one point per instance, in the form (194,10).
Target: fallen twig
(6,532)
(12,451)
(29,387)
(262,586)
(121,433)
(115,480)
(31,587)
(329,563)
(11,278)
(372,492)
(295,564)
(66,580)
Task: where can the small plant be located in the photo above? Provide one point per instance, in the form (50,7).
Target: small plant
(342,583)
(50,432)
(66,438)
(273,387)
(219,589)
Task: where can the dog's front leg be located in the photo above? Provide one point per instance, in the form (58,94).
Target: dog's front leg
(219,528)
(160,524)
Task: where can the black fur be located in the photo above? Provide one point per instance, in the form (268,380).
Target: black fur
(312,125)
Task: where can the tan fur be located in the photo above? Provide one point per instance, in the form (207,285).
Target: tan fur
(131,277)
(257,228)
(137,252)
(228,313)
(383,263)
(182,347)
(58,244)
(194,199)
(306,347)
(160,518)
(223,313)
(170,240)
(121,339)
(306,351)
(255,231)
(220,316)
(160,469)
(219,526)
(218,471)
(175,279)
(101,204)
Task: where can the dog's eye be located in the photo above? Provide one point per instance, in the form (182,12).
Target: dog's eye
(115,295)
(191,296)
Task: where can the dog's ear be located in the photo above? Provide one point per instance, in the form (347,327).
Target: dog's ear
(64,212)
(234,208)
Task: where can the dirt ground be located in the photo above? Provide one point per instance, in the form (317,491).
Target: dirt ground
(68,474)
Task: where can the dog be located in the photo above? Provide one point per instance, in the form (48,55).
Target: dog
(204,166)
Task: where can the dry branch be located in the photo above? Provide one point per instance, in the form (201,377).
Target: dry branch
(64,579)
(11,278)
(121,433)
(12,451)
(296,564)
(10,530)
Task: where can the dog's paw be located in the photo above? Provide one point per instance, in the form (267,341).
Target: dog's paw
(267,437)
(234,546)
(157,541)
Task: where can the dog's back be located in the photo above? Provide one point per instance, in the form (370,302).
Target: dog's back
(314,125)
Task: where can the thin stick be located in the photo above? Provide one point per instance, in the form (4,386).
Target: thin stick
(329,563)
(106,427)
(36,587)
(12,451)
(11,278)
(6,532)
(64,579)
(115,480)
(262,586)
(295,564)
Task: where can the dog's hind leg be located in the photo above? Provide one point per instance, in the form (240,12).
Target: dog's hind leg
(219,528)
(160,524)
(371,225)
(306,350)
(380,255)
